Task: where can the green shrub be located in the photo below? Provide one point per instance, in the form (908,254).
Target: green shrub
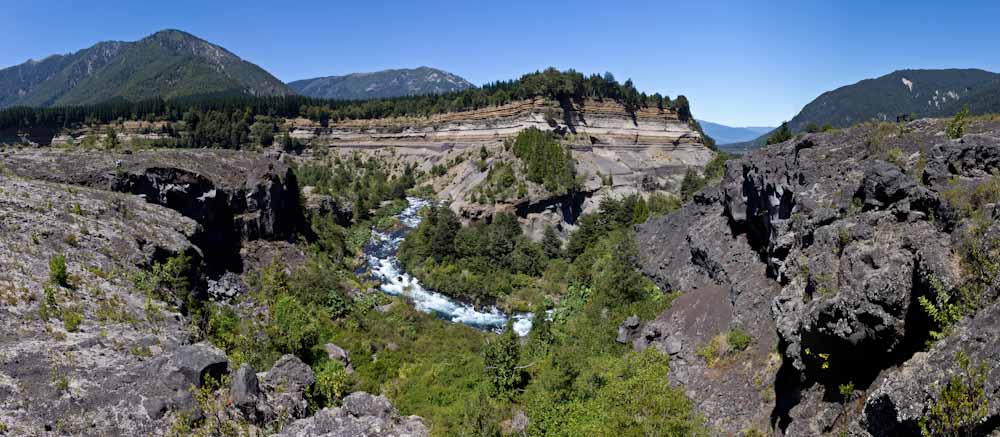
(956,127)
(691,184)
(332,384)
(72,318)
(739,339)
(895,156)
(57,270)
(780,135)
(961,405)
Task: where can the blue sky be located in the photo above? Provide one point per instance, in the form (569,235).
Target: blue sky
(740,63)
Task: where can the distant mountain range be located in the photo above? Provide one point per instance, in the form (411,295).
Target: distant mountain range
(172,63)
(923,93)
(723,134)
(169,63)
(381,84)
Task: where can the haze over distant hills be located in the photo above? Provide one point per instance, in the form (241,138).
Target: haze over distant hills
(920,93)
(381,84)
(723,134)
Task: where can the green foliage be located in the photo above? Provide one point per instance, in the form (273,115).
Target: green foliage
(168,281)
(956,127)
(662,204)
(57,270)
(691,184)
(846,391)
(780,135)
(545,161)
(941,310)
(294,328)
(738,339)
(551,243)
(895,156)
(234,112)
(332,384)
(363,183)
(500,185)
(72,318)
(961,405)
(49,306)
(500,358)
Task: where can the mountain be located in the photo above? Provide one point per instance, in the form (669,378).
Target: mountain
(381,84)
(723,134)
(924,93)
(169,63)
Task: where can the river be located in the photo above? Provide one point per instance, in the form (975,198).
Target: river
(383,265)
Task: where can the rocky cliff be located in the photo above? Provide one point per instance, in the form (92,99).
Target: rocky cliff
(236,197)
(616,153)
(85,350)
(820,249)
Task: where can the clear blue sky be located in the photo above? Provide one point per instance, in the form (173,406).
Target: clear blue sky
(740,63)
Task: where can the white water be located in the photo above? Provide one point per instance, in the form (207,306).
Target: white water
(380,253)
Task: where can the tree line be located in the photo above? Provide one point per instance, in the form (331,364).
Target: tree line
(558,85)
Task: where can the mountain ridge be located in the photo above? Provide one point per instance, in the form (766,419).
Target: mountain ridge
(901,94)
(168,63)
(381,84)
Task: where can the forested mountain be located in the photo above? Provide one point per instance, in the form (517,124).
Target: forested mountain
(902,93)
(169,63)
(382,84)
(723,134)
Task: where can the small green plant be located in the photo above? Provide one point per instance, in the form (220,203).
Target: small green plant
(919,167)
(895,156)
(846,392)
(943,312)
(57,270)
(332,384)
(77,209)
(961,406)
(49,306)
(71,240)
(956,127)
(739,339)
(72,318)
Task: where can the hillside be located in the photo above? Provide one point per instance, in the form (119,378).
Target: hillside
(723,134)
(381,84)
(902,93)
(169,63)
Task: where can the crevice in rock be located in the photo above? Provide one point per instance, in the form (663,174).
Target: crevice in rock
(570,206)
(787,392)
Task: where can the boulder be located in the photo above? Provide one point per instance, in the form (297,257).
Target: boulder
(338,353)
(286,384)
(361,414)
(628,329)
(245,389)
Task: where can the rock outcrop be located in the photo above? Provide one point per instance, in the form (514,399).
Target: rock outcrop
(236,197)
(73,350)
(361,414)
(819,248)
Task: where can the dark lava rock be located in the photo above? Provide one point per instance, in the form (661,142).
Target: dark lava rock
(361,414)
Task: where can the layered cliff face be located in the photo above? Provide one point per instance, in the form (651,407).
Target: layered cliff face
(820,249)
(616,153)
(595,122)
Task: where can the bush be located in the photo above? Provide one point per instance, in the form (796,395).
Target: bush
(332,384)
(956,127)
(780,135)
(691,184)
(57,270)
(739,339)
(961,405)
(293,328)
(72,318)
